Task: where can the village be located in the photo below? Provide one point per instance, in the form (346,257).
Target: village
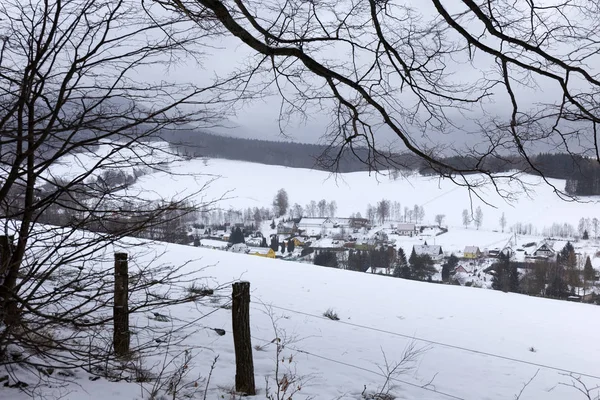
(342,243)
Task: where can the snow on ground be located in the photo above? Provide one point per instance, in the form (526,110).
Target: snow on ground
(254,185)
(378,316)
(242,184)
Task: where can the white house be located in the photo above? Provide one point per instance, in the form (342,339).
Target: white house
(544,250)
(406,229)
(433,251)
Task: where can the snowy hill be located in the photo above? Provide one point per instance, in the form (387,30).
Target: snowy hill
(476,344)
(244,184)
(255,185)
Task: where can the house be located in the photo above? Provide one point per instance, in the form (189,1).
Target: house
(380,236)
(311,226)
(544,250)
(239,248)
(406,229)
(286,228)
(327,245)
(460,269)
(254,241)
(263,252)
(357,223)
(433,251)
(297,241)
(471,252)
(380,270)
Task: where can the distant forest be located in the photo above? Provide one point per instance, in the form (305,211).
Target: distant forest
(289,154)
(582,174)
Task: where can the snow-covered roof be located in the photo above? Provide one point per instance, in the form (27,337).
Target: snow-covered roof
(260,250)
(430,250)
(287,224)
(327,243)
(544,246)
(406,227)
(471,249)
(312,221)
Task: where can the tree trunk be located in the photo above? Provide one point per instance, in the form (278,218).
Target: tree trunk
(240,313)
(121,307)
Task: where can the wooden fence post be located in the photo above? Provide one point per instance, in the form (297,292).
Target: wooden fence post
(240,314)
(121,306)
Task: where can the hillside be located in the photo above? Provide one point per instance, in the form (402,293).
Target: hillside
(470,343)
(471,338)
(254,185)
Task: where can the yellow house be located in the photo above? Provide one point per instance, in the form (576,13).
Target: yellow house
(263,252)
(297,242)
(472,252)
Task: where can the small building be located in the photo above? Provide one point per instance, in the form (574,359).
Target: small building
(544,250)
(460,269)
(380,270)
(406,229)
(297,241)
(472,252)
(433,251)
(357,223)
(286,228)
(239,248)
(263,252)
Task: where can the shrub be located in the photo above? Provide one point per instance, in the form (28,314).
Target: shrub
(332,315)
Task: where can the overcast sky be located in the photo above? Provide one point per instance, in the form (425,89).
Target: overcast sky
(259,119)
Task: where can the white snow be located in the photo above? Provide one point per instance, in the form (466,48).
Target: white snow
(480,344)
(378,315)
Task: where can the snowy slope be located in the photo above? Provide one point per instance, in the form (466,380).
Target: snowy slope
(461,328)
(244,185)
(254,185)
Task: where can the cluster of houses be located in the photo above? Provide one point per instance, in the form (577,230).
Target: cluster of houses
(338,235)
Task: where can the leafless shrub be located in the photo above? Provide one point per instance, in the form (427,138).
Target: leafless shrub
(392,371)
(331,314)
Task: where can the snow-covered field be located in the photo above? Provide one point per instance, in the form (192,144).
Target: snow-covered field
(243,185)
(477,344)
(255,185)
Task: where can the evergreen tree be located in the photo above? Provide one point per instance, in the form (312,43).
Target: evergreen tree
(282,247)
(273,224)
(274,243)
(413,256)
(449,266)
(422,269)
(506,275)
(240,235)
(557,286)
(263,242)
(586,235)
(589,274)
(291,245)
(401,268)
(326,259)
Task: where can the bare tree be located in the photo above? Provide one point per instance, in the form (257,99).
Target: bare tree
(466,218)
(70,93)
(311,209)
(478,217)
(379,63)
(297,210)
(439,219)
(503,222)
(383,210)
(281,203)
(322,208)
(371,213)
(332,207)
